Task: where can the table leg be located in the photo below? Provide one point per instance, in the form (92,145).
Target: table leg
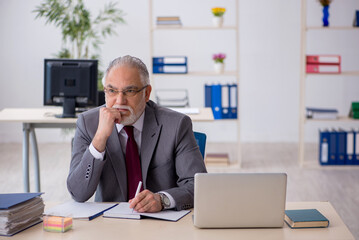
(36,158)
(25,157)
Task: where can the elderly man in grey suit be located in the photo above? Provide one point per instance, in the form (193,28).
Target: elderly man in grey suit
(104,152)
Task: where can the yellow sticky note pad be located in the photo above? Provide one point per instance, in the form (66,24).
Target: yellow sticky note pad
(57,224)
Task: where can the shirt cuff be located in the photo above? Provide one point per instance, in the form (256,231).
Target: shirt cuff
(172,201)
(96,154)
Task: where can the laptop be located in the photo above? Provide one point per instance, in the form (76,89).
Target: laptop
(239,200)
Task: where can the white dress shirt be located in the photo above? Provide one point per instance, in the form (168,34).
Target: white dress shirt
(137,133)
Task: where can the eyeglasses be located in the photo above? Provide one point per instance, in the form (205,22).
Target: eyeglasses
(128,92)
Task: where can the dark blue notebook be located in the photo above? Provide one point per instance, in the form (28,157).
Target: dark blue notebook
(8,200)
(305,218)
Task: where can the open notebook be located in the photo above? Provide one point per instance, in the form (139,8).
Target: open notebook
(84,211)
(122,210)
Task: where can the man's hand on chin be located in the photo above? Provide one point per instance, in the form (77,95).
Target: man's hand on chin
(107,118)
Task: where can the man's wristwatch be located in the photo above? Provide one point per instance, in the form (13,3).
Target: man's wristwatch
(165,201)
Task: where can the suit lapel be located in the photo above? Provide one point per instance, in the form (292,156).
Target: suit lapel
(117,158)
(150,134)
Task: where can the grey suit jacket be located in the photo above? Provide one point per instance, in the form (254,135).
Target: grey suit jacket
(169,159)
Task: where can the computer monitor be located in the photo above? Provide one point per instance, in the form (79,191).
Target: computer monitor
(70,83)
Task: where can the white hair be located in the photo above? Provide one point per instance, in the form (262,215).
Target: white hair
(131,62)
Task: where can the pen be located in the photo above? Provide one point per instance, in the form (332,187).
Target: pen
(138,189)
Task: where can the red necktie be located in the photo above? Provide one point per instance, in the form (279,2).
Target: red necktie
(133,165)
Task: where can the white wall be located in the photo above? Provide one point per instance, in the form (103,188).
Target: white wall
(269,59)
(25,42)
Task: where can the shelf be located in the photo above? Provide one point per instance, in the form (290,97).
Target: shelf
(335,32)
(232,73)
(193,28)
(332,28)
(340,119)
(345,73)
(314,164)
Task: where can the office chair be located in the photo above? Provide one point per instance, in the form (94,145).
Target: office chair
(201,141)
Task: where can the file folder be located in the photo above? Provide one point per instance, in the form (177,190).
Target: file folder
(169,60)
(349,157)
(225,101)
(233,99)
(173,69)
(9,200)
(217,101)
(207,95)
(324,137)
(323,59)
(356,149)
(332,147)
(341,146)
(318,68)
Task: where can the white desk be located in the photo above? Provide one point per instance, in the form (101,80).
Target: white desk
(32,118)
(147,229)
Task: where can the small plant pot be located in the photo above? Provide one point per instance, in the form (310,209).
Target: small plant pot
(219,67)
(217,21)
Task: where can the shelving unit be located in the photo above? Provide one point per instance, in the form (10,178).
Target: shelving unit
(304,78)
(196,74)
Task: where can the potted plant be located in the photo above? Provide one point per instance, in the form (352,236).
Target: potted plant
(218,13)
(82,33)
(219,62)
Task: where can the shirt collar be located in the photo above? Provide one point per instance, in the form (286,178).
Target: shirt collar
(138,124)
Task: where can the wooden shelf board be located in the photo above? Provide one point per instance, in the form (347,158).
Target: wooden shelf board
(340,119)
(332,28)
(345,73)
(155,28)
(204,73)
(314,164)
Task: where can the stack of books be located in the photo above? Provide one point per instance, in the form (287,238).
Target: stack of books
(169,21)
(170,65)
(216,159)
(339,147)
(222,98)
(19,211)
(323,64)
(321,113)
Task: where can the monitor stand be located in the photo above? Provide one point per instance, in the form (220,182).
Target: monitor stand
(68,108)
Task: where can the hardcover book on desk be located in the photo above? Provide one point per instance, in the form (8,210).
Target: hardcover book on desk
(305,218)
